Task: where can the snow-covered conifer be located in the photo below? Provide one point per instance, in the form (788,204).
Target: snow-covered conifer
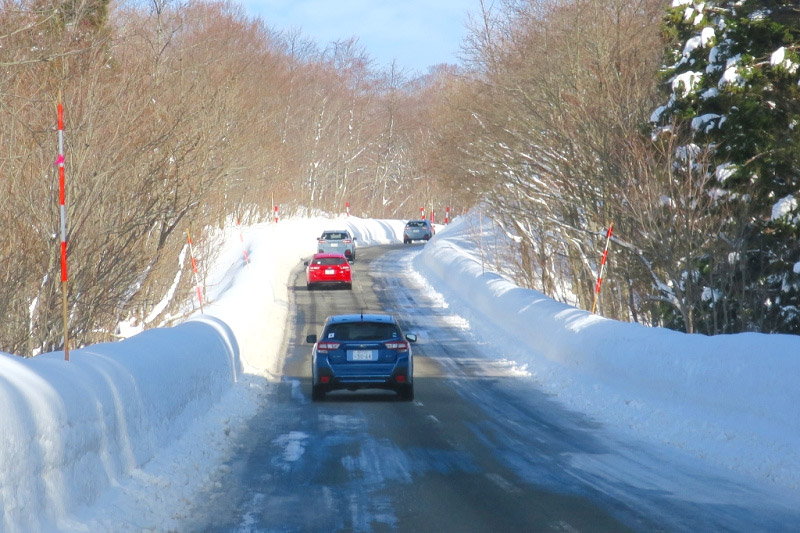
(733,83)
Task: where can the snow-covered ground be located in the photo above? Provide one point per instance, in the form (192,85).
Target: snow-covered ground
(125,435)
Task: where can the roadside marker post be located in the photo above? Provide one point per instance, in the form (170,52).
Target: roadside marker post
(241,238)
(62,201)
(194,269)
(602,268)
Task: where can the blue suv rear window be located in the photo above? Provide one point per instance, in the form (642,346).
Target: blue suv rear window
(362,331)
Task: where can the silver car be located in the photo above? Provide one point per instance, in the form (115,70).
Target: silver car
(418,230)
(337,242)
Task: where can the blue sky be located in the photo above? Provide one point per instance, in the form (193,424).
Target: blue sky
(417,33)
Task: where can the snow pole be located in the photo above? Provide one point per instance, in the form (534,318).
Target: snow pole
(347,208)
(61,194)
(272,203)
(241,238)
(276,213)
(422,213)
(602,268)
(194,268)
(480,239)
(447,215)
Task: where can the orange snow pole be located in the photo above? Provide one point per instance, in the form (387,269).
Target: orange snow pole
(194,268)
(602,268)
(241,238)
(62,202)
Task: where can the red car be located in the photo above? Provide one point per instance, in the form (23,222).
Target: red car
(328,269)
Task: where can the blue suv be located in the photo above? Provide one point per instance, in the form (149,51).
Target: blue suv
(364,351)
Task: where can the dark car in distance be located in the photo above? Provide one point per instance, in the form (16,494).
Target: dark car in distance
(362,351)
(418,230)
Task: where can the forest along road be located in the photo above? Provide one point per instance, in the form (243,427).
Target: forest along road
(480,448)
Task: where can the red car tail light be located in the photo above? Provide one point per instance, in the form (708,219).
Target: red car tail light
(400,346)
(324,346)
(321,241)
(347,241)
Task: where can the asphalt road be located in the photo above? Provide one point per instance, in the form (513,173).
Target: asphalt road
(478,449)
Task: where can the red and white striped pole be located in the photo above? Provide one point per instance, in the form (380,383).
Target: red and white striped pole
(347,208)
(62,195)
(276,214)
(194,268)
(447,215)
(241,238)
(422,213)
(602,268)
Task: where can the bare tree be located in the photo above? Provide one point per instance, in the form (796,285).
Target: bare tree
(558,95)
(177,114)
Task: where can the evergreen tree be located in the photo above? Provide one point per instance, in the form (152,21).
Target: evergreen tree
(734,86)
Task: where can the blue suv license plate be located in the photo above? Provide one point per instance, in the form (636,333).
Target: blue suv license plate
(362,355)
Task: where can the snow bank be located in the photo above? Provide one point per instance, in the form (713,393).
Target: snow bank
(730,398)
(70,429)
